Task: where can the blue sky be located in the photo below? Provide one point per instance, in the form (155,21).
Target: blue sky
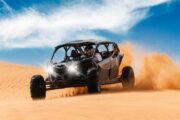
(29,29)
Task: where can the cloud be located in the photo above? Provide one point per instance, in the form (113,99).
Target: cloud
(31,28)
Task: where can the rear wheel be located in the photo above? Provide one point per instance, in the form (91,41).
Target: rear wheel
(92,83)
(37,87)
(128,79)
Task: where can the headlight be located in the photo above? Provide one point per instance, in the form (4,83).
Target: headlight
(72,68)
(50,70)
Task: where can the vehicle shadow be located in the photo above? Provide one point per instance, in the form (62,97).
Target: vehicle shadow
(118,90)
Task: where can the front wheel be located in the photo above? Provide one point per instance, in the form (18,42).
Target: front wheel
(37,87)
(128,79)
(92,83)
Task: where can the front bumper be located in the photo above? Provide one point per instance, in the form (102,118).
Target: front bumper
(66,81)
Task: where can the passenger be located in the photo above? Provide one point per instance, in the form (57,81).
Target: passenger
(89,50)
(115,51)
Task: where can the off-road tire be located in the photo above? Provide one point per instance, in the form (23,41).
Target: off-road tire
(128,79)
(37,87)
(92,83)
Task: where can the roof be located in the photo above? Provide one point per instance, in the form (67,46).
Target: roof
(83,42)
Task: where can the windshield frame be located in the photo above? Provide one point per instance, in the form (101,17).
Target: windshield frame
(67,47)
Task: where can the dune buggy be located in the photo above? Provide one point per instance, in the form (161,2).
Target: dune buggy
(71,67)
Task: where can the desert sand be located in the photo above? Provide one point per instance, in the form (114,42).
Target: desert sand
(155,97)
(71,103)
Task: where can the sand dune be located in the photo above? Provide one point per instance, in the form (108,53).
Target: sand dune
(14,80)
(152,98)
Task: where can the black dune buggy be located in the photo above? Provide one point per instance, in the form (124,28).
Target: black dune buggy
(71,67)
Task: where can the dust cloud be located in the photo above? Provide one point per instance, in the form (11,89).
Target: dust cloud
(153,70)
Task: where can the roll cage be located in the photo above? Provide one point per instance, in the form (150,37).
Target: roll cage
(80,45)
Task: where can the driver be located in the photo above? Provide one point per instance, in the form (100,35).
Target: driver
(89,50)
(75,55)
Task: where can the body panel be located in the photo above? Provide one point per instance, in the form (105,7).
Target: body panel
(104,68)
